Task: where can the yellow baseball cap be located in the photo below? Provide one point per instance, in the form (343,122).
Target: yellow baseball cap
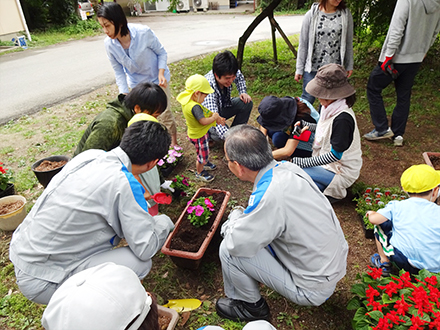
(193,84)
(419,178)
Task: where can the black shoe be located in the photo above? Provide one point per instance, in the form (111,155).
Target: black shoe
(238,310)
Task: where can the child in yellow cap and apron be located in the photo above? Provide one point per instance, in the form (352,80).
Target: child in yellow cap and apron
(408,231)
(198,121)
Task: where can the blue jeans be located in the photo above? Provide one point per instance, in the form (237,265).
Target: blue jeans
(307,76)
(320,176)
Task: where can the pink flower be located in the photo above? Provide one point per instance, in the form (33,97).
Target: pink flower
(191,209)
(177,148)
(208,202)
(185,182)
(199,210)
(171,159)
(160,162)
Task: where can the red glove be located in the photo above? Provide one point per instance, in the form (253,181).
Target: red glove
(388,67)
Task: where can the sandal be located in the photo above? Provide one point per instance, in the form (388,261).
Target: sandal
(385,266)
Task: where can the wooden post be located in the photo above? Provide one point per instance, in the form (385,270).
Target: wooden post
(274,40)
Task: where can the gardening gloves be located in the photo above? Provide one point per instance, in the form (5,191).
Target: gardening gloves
(388,67)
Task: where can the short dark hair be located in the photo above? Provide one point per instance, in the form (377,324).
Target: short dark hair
(115,14)
(341,6)
(248,146)
(145,141)
(224,64)
(149,96)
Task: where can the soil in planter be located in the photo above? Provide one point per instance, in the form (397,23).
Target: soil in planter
(164,321)
(435,161)
(10,207)
(190,238)
(47,165)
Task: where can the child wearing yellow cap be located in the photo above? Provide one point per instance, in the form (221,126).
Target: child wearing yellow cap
(408,231)
(198,121)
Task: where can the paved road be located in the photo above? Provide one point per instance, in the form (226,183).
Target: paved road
(34,79)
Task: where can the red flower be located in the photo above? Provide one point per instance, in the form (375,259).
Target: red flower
(417,323)
(434,295)
(421,300)
(402,306)
(431,280)
(371,293)
(390,288)
(375,272)
(376,305)
(435,324)
(393,317)
(2,170)
(407,280)
(383,324)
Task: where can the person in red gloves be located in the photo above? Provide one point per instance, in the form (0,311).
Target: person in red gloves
(413,29)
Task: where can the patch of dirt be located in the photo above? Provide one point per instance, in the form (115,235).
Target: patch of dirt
(188,237)
(48,165)
(435,161)
(10,207)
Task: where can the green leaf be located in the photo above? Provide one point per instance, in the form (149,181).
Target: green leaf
(353,304)
(386,299)
(359,289)
(360,314)
(376,315)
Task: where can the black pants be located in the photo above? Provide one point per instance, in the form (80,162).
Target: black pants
(403,84)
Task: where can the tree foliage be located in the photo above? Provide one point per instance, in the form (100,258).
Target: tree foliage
(41,14)
(371,18)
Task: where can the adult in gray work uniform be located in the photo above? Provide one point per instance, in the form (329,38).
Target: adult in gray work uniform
(301,253)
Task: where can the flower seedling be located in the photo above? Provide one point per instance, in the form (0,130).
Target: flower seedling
(402,302)
(171,158)
(181,183)
(5,177)
(200,210)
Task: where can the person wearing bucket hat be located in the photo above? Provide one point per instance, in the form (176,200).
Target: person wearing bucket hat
(278,117)
(107,296)
(337,157)
(326,37)
(198,121)
(408,231)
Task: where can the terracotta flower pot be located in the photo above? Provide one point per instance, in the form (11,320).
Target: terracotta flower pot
(11,220)
(10,190)
(191,260)
(429,159)
(44,177)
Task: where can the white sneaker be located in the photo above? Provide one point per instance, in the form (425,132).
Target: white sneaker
(398,141)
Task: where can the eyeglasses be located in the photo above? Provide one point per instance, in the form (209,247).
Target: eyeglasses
(227,160)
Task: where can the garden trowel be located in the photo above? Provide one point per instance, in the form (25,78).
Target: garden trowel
(183,305)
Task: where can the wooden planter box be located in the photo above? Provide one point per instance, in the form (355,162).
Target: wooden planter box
(191,260)
(427,157)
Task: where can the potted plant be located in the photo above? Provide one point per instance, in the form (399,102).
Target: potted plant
(373,198)
(45,169)
(12,212)
(169,162)
(6,178)
(396,303)
(187,243)
(432,159)
(180,184)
